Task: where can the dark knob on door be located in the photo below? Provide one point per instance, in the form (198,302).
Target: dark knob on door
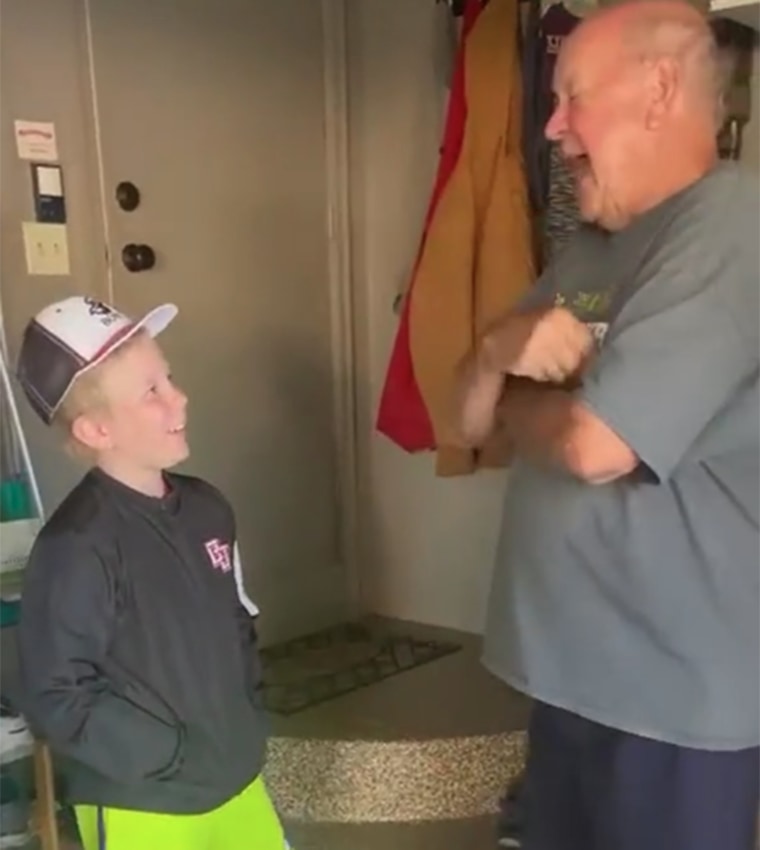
(127,196)
(138,258)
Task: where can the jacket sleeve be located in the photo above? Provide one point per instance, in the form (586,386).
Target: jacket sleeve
(247,611)
(68,616)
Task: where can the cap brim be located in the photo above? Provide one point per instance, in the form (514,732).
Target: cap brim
(158,319)
(154,323)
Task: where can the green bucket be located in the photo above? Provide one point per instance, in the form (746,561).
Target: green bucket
(10,611)
(15,500)
(15,504)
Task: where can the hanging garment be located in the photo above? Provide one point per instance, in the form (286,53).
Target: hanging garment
(736,48)
(477,261)
(402,415)
(534,105)
(476,256)
(561,217)
(550,184)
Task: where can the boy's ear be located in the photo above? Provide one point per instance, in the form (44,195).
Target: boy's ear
(91,432)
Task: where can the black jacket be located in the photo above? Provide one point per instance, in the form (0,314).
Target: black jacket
(137,658)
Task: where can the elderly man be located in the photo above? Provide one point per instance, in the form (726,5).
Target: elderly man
(625,598)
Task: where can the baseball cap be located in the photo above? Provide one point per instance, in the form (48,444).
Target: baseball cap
(69,338)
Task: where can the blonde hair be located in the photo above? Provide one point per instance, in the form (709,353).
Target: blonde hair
(85,396)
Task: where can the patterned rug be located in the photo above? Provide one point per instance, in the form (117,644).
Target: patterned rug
(310,670)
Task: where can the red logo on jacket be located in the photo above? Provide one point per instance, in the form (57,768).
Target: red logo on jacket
(219,553)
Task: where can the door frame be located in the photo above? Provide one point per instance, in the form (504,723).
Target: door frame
(338,237)
(342,307)
(96,125)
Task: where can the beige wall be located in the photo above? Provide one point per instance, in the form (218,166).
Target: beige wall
(751,141)
(428,543)
(43,78)
(46,90)
(229,96)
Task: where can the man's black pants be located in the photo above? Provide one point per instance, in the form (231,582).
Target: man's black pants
(588,787)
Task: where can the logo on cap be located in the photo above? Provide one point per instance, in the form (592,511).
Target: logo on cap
(106,315)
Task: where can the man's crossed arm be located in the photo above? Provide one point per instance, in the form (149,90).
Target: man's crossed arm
(550,425)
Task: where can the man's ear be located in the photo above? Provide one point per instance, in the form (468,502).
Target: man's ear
(663,83)
(91,432)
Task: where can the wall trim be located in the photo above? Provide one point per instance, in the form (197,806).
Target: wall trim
(97,127)
(334,28)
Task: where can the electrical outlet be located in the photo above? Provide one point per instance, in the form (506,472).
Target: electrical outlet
(47,248)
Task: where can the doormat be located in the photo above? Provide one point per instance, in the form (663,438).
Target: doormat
(319,667)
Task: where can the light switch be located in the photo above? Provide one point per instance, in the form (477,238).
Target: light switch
(46,247)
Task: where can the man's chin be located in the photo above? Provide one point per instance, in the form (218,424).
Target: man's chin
(588,200)
(588,212)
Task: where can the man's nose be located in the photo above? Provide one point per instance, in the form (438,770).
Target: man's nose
(556,126)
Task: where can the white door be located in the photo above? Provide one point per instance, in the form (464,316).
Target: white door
(215,112)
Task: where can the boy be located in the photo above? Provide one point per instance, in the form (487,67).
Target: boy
(136,638)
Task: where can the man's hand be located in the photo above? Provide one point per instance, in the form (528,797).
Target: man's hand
(546,346)
(549,345)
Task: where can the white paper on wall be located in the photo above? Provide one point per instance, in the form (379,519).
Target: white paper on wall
(36,141)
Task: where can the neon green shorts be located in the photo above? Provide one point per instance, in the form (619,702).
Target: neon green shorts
(246,822)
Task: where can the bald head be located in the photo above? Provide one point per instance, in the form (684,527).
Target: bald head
(674,30)
(639,97)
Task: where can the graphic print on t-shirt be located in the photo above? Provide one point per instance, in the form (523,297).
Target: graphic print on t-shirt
(591,308)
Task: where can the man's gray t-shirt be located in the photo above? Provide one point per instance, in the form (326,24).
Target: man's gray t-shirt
(636,604)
